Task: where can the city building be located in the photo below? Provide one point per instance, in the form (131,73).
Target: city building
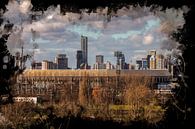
(79,57)
(160,62)
(139,64)
(148,60)
(145,63)
(82,55)
(152,52)
(142,64)
(85,66)
(61,61)
(152,62)
(152,59)
(99,66)
(47,65)
(99,59)
(37,65)
(55,66)
(159,79)
(120,61)
(99,62)
(84,48)
(109,65)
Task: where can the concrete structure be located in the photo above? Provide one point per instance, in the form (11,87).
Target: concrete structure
(79,58)
(52,85)
(99,66)
(99,62)
(120,61)
(152,52)
(37,65)
(152,59)
(47,65)
(84,48)
(160,61)
(152,62)
(82,55)
(99,59)
(109,65)
(61,61)
(148,60)
(91,73)
(142,64)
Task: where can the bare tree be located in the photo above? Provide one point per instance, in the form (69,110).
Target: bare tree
(142,101)
(83,93)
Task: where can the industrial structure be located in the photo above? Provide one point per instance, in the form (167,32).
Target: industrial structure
(52,85)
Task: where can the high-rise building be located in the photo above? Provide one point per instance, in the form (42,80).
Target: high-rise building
(152,62)
(145,63)
(120,62)
(99,59)
(79,57)
(47,65)
(152,59)
(160,62)
(62,61)
(148,61)
(99,62)
(84,48)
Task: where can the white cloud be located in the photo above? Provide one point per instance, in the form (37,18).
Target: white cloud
(148,39)
(126,30)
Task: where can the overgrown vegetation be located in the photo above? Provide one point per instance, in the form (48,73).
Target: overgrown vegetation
(131,100)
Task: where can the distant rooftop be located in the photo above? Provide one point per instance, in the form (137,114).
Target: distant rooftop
(102,72)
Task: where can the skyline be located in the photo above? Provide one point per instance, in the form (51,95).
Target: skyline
(133,30)
(153,60)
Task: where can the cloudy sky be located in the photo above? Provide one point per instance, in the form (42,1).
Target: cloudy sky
(132,30)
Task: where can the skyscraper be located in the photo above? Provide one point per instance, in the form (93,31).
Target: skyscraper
(62,61)
(120,62)
(152,59)
(148,60)
(160,61)
(152,62)
(79,57)
(84,48)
